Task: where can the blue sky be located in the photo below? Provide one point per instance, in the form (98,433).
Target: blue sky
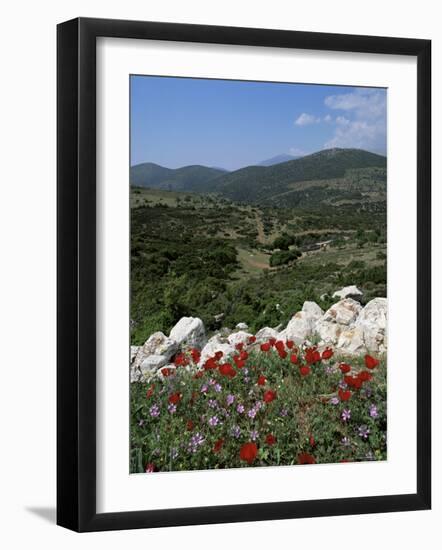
(230,124)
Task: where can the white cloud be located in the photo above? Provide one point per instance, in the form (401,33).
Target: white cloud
(327,118)
(365,122)
(305,119)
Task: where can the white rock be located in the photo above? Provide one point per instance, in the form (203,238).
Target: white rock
(216,343)
(347,292)
(299,328)
(242,326)
(133,352)
(373,323)
(351,341)
(264,335)
(328,332)
(135,374)
(157,344)
(151,364)
(189,331)
(312,310)
(344,312)
(238,337)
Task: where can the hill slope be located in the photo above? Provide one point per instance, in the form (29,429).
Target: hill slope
(188,178)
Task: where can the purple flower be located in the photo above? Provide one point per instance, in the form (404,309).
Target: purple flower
(204,388)
(213,403)
(154,410)
(212,382)
(346,415)
(251,413)
(230,399)
(342,385)
(373,411)
(235,431)
(240,408)
(173,453)
(217,388)
(171,408)
(284,412)
(258,405)
(363,431)
(334,401)
(254,434)
(213,421)
(196,441)
(329,369)
(345,441)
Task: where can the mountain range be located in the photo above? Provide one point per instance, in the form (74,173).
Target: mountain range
(329,176)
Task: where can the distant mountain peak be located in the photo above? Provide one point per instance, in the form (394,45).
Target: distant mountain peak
(278,159)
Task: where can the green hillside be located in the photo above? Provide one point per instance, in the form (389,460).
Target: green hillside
(188,178)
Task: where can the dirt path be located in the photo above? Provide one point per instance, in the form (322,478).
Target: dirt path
(260,229)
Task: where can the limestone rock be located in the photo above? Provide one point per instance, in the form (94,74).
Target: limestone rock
(348,292)
(373,323)
(151,364)
(312,310)
(216,343)
(189,331)
(242,326)
(328,332)
(264,335)
(157,344)
(238,337)
(344,312)
(133,352)
(351,341)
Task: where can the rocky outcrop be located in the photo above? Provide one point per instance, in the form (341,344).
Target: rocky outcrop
(348,292)
(347,326)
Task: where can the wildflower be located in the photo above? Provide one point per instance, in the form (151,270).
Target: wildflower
(235,431)
(150,468)
(312,441)
(213,403)
(171,408)
(262,380)
(304,370)
(371,362)
(251,339)
(290,344)
(346,415)
(248,452)
(334,401)
(174,398)
(306,458)
(240,408)
(154,411)
(150,391)
(181,360)
(213,421)
(217,387)
(365,376)
(239,346)
(344,395)
(174,453)
(204,388)
(345,441)
(269,396)
(282,354)
(363,431)
(227,370)
(196,441)
(218,355)
(283,412)
(251,413)
(270,439)
(189,425)
(218,445)
(344,368)
(327,353)
(312,355)
(166,371)
(254,434)
(373,411)
(266,346)
(294,359)
(196,355)
(230,399)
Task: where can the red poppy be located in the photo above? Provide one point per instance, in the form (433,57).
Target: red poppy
(365,376)
(294,358)
(239,346)
(218,355)
(244,355)
(194,397)
(175,398)
(304,370)
(166,371)
(262,380)
(211,363)
(290,344)
(252,339)
(344,395)
(150,468)
(189,425)
(272,341)
(269,396)
(248,452)
(327,353)
(282,354)
(226,369)
(199,374)
(312,355)
(312,441)
(306,458)
(371,362)
(279,345)
(239,363)
(344,368)
(266,346)
(196,355)
(353,381)
(150,391)
(218,445)
(270,439)
(181,360)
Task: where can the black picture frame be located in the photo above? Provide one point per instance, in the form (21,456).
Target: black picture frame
(76,274)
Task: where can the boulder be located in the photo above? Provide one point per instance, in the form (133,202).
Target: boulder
(242,326)
(344,312)
(133,352)
(238,337)
(351,341)
(157,344)
(298,329)
(348,292)
(264,335)
(189,332)
(328,332)
(135,374)
(312,310)
(373,323)
(216,343)
(151,364)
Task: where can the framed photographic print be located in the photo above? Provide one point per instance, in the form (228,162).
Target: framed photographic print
(243,274)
